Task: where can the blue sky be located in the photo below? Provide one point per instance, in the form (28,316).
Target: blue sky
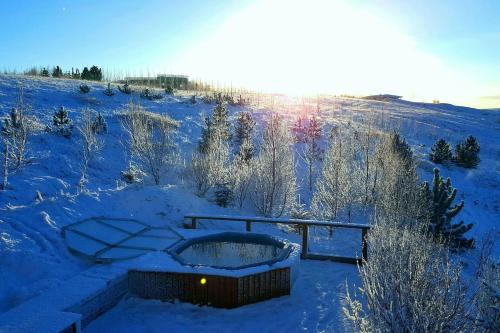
(448,50)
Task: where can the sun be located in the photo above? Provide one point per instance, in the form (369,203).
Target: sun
(319,46)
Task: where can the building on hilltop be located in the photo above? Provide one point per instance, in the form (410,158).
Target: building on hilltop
(160,81)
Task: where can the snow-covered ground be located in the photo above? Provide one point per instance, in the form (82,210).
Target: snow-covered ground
(34,257)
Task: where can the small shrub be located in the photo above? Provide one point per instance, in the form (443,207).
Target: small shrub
(125,89)
(132,174)
(62,122)
(148,94)
(410,284)
(84,88)
(99,124)
(169,90)
(223,194)
(467,153)
(192,100)
(57,72)
(441,152)
(108,91)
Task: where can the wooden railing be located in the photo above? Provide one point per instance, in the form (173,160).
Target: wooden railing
(305,232)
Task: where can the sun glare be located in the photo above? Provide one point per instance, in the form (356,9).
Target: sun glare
(322,46)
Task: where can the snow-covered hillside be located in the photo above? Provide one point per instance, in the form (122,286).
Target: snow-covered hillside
(34,257)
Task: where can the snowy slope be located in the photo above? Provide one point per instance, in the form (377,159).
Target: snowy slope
(33,256)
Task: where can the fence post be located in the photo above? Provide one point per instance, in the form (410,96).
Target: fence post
(305,237)
(248,226)
(364,247)
(193,223)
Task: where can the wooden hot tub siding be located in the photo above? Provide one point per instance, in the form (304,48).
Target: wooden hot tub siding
(219,291)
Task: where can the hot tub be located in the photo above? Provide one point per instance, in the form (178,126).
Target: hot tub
(223,270)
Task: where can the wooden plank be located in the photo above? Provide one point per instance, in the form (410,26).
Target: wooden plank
(364,246)
(278,220)
(345,260)
(305,238)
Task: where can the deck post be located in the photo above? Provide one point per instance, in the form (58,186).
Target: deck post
(364,247)
(193,223)
(248,226)
(305,237)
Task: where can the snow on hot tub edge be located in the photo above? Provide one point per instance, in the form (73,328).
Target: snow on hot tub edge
(161,261)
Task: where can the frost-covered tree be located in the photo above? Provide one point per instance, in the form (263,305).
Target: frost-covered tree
(16,131)
(488,302)
(220,121)
(241,173)
(409,284)
(99,124)
(467,153)
(440,152)
(311,151)
(91,144)
(440,211)
(151,140)
(244,127)
(366,140)
(62,122)
(397,194)
(338,187)
(274,187)
(210,163)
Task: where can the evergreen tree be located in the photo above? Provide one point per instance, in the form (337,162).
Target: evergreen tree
(440,152)
(244,127)
(45,72)
(108,91)
(206,133)
(169,90)
(99,124)
(62,122)
(95,73)
(467,153)
(400,147)
(440,212)
(223,194)
(220,120)
(85,74)
(247,150)
(57,72)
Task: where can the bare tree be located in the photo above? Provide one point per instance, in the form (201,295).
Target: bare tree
(151,139)
(410,284)
(5,165)
(274,187)
(91,144)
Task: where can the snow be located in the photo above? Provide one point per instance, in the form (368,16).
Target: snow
(34,257)
(313,306)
